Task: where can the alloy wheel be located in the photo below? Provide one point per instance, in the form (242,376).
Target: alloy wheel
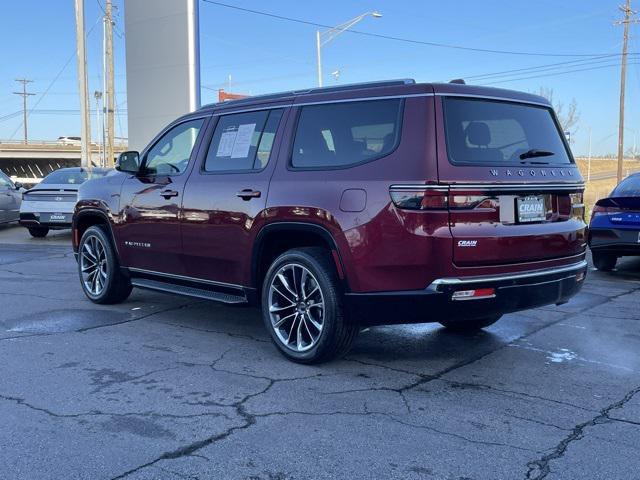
(296,307)
(93,265)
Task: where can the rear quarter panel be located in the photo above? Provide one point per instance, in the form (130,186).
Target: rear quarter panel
(381,248)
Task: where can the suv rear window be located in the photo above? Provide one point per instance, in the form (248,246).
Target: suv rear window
(72,177)
(629,187)
(338,135)
(488,132)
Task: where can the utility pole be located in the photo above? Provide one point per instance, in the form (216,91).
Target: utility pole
(109,91)
(24,94)
(83,88)
(589,165)
(628,13)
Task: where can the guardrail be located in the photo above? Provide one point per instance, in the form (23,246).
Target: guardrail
(56,143)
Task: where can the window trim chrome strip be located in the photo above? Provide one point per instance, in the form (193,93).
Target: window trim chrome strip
(492,186)
(291,103)
(451,281)
(518,186)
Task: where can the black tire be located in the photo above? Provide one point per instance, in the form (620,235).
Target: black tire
(38,232)
(116,287)
(469,326)
(337,333)
(604,262)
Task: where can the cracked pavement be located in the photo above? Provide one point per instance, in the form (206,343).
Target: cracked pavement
(168,387)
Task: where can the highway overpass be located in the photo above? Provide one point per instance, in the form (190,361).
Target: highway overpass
(31,162)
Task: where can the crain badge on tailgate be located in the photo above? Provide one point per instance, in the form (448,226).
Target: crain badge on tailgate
(467,243)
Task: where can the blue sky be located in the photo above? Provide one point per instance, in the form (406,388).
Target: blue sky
(263,54)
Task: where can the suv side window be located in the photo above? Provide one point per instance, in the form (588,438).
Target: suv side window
(242,141)
(4,181)
(170,155)
(345,134)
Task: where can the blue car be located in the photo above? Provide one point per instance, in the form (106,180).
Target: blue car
(614,230)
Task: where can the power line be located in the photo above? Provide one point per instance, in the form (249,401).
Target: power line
(51,111)
(545,67)
(401,39)
(557,73)
(55,79)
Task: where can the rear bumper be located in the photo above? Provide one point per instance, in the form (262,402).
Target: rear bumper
(36,220)
(615,240)
(513,292)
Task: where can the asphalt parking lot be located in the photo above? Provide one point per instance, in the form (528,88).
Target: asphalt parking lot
(168,387)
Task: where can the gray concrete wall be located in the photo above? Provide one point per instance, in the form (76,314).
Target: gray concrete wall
(163,64)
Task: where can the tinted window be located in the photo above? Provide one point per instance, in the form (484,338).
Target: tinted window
(170,155)
(243,141)
(72,177)
(341,134)
(4,180)
(629,187)
(494,132)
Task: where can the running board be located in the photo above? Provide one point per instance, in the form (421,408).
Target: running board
(188,291)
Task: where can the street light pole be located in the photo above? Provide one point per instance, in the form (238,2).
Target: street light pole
(589,167)
(322,38)
(85,129)
(318,58)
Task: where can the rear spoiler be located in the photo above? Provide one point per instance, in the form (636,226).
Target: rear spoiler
(619,202)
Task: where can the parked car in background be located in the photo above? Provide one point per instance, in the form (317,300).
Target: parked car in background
(614,230)
(69,140)
(10,199)
(50,204)
(342,207)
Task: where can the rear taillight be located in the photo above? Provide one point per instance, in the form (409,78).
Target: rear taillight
(440,199)
(577,205)
(600,210)
(428,199)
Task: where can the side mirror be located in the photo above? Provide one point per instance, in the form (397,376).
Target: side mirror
(18,185)
(128,162)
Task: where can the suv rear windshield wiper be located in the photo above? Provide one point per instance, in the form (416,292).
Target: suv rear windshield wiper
(535,153)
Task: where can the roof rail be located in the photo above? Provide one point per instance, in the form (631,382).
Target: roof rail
(356,86)
(337,88)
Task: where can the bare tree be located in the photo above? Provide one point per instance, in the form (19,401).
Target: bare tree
(567,114)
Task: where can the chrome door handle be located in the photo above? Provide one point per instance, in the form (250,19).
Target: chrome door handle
(248,194)
(169,193)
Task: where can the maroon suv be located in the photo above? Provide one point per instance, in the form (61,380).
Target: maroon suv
(337,208)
